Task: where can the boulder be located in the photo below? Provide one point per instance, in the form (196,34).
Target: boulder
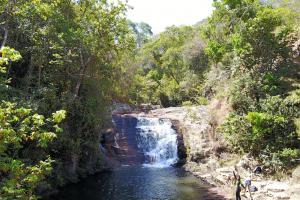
(121,108)
(295,184)
(296,175)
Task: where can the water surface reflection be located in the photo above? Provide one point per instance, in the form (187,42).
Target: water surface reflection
(137,183)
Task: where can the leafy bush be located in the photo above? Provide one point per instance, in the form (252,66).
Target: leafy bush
(281,160)
(288,156)
(20,173)
(187,103)
(268,137)
(24,136)
(202,100)
(237,131)
(244,94)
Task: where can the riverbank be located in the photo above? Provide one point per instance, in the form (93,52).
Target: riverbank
(267,187)
(208,160)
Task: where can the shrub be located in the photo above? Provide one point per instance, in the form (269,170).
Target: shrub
(187,103)
(237,132)
(244,94)
(271,138)
(21,173)
(202,100)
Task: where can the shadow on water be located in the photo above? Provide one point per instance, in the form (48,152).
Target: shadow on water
(141,140)
(138,183)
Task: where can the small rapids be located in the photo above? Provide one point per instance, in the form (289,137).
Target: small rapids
(157,140)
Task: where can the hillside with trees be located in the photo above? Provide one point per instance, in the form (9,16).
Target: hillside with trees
(246,52)
(64,63)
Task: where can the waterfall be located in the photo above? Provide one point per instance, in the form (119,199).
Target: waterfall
(157,140)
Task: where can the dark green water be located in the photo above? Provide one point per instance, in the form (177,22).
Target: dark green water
(138,183)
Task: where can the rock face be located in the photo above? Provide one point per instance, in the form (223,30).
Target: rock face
(121,142)
(138,140)
(204,149)
(120,108)
(200,150)
(295,184)
(193,124)
(198,138)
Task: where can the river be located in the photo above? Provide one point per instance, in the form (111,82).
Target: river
(137,183)
(153,178)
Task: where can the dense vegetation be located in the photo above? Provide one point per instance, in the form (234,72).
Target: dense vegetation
(256,42)
(173,64)
(66,57)
(245,53)
(69,60)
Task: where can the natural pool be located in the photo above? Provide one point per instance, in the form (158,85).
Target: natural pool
(137,183)
(154,180)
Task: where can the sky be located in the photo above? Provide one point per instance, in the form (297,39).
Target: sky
(160,14)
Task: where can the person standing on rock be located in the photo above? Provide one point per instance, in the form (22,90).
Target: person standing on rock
(239,186)
(248,185)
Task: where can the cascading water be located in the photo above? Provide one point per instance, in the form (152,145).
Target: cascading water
(135,141)
(157,140)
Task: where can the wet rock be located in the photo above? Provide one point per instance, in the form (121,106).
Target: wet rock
(200,143)
(182,151)
(121,108)
(120,142)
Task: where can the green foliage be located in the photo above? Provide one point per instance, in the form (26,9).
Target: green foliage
(237,132)
(172,67)
(58,116)
(8,55)
(215,51)
(265,136)
(202,100)
(251,41)
(288,155)
(187,103)
(244,94)
(73,55)
(252,31)
(21,174)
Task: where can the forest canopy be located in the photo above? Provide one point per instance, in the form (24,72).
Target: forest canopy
(64,63)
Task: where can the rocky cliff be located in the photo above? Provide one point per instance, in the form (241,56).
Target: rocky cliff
(208,159)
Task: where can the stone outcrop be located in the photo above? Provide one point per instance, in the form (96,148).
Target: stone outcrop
(193,124)
(205,150)
(202,151)
(120,142)
(295,184)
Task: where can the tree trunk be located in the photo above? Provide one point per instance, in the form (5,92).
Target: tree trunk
(5,35)
(29,74)
(81,75)
(40,74)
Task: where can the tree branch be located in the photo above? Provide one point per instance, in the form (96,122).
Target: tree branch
(82,74)
(5,33)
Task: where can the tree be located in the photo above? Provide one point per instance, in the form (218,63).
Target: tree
(21,130)
(71,55)
(169,62)
(142,31)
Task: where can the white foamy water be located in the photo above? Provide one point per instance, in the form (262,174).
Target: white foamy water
(158,141)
